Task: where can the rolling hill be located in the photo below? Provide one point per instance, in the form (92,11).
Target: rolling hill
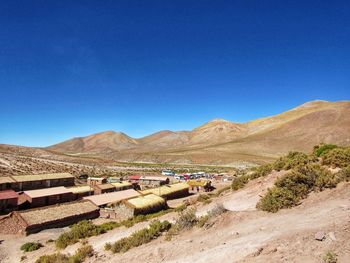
(224,142)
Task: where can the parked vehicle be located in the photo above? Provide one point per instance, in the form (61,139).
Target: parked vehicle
(168,173)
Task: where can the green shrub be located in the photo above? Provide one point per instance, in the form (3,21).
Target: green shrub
(204,198)
(54,258)
(83,229)
(321,149)
(203,220)
(338,157)
(31,246)
(345,174)
(291,160)
(290,189)
(108,246)
(330,257)
(82,253)
(261,171)
(140,237)
(239,182)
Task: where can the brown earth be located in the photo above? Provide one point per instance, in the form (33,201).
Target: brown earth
(242,234)
(225,142)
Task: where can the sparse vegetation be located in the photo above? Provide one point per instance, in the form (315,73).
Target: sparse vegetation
(82,253)
(31,246)
(321,149)
(216,211)
(204,198)
(290,189)
(337,157)
(240,182)
(186,220)
(330,257)
(83,229)
(140,237)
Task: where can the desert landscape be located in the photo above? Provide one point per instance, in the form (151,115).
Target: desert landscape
(174,131)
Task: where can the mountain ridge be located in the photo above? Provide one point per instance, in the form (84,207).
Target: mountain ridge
(294,129)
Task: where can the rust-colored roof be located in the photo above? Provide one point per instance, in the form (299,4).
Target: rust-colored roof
(134,177)
(6,179)
(47,192)
(113,197)
(8,194)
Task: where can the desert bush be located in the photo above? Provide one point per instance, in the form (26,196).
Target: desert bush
(337,157)
(330,257)
(53,258)
(82,253)
(187,219)
(108,246)
(140,237)
(261,171)
(217,210)
(290,189)
(345,174)
(31,246)
(203,220)
(291,160)
(239,182)
(204,198)
(321,149)
(83,229)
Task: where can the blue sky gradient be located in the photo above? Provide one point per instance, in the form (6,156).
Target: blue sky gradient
(73,68)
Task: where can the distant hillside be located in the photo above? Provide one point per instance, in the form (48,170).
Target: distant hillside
(223,142)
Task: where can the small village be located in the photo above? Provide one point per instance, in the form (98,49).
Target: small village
(29,204)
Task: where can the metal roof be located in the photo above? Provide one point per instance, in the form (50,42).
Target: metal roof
(114,197)
(8,194)
(6,179)
(47,192)
(39,177)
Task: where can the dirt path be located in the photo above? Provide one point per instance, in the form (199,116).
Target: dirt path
(239,234)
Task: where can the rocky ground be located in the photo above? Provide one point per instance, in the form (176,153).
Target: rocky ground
(242,234)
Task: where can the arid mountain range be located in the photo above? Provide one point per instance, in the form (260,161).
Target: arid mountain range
(224,142)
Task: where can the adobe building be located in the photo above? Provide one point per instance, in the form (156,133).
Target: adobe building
(80,191)
(35,220)
(92,181)
(139,205)
(105,199)
(103,188)
(38,181)
(6,182)
(48,196)
(152,181)
(8,201)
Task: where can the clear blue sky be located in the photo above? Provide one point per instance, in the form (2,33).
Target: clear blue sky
(73,68)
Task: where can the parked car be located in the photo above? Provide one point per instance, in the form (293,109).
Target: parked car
(168,173)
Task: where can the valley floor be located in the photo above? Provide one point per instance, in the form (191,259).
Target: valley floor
(242,234)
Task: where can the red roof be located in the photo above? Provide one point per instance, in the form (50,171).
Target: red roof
(134,177)
(8,194)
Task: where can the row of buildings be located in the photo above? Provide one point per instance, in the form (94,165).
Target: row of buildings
(29,191)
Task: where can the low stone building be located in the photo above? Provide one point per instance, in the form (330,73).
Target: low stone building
(39,181)
(105,199)
(8,201)
(103,188)
(48,196)
(81,191)
(120,186)
(152,181)
(140,205)
(35,220)
(6,182)
(171,191)
(92,181)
